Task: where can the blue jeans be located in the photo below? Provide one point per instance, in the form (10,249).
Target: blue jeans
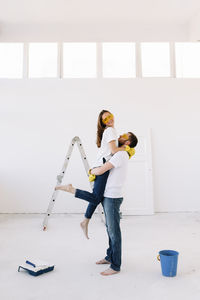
(96,196)
(112,214)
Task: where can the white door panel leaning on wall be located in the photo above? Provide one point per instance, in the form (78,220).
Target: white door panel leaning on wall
(138,192)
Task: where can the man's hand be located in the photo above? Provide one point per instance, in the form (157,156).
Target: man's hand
(101,170)
(92,177)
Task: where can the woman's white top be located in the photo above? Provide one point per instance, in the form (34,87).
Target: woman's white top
(109,135)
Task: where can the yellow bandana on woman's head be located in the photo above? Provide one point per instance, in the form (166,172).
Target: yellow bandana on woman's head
(131,151)
(107,119)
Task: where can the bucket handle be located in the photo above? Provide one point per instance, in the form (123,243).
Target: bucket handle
(158,257)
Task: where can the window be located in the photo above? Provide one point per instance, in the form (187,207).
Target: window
(187,60)
(119,60)
(11,60)
(79,60)
(155,59)
(43,60)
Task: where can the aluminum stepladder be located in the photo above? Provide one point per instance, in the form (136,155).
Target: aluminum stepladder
(75,140)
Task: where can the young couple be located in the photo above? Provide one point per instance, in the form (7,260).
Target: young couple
(109,174)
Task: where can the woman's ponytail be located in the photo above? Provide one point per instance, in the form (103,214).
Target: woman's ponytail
(100,128)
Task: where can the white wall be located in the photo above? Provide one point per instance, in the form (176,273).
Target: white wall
(194,28)
(96,32)
(39,118)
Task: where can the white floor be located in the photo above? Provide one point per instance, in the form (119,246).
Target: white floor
(77,277)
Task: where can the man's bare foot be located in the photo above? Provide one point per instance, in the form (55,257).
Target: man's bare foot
(66,188)
(84,226)
(108,272)
(102,262)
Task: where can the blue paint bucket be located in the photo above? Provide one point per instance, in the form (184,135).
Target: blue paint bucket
(169,261)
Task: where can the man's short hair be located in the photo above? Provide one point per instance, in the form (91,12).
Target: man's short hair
(133,140)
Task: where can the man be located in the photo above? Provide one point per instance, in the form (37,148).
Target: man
(113,197)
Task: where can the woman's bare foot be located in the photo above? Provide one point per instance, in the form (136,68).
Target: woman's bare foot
(66,188)
(108,272)
(102,262)
(84,226)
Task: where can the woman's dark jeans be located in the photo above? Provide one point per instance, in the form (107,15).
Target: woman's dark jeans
(96,196)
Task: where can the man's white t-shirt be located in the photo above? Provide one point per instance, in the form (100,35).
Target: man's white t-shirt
(117,175)
(109,135)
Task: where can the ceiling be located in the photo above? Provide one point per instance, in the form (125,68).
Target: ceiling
(67,11)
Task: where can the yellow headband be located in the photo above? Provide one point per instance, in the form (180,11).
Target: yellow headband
(107,119)
(125,136)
